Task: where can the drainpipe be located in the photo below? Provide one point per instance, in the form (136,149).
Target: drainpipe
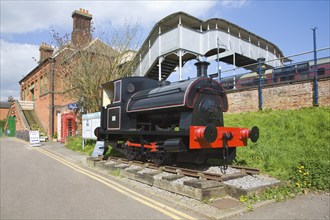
(260,62)
(52,75)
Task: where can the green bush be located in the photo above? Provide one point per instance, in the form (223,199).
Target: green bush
(113,152)
(36,127)
(2,123)
(75,144)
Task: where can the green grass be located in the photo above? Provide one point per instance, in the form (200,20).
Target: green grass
(75,144)
(288,140)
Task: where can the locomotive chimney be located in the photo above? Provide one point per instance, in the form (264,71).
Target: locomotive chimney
(202,68)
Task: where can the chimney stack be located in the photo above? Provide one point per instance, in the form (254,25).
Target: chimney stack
(81,33)
(202,68)
(45,51)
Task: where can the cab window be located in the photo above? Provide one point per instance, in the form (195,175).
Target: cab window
(117,97)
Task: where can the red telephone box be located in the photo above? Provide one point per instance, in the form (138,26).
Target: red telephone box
(68,126)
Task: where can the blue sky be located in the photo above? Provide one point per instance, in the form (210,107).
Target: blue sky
(25,24)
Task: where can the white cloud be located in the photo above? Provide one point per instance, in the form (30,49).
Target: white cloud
(20,17)
(234,3)
(29,16)
(16,61)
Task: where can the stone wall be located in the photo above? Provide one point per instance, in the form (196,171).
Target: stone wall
(284,96)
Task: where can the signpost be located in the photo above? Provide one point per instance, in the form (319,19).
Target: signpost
(34,138)
(72,106)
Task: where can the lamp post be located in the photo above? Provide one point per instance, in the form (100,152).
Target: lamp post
(316,85)
(260,62)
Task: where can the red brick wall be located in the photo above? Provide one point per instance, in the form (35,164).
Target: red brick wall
(285,96)
(3,113)
(42,101)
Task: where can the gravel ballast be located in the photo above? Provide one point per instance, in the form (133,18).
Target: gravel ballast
(252,181)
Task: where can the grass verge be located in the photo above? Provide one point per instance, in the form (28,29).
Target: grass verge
(293,145)
(75,144)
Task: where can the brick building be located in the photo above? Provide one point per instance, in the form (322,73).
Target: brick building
(42,91)
(4,108)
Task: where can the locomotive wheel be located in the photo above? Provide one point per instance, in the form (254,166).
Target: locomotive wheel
(160,158)
(131,153)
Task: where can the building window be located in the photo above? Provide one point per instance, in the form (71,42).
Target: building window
(321,71)
(41,91)
(45,84)
(23,95)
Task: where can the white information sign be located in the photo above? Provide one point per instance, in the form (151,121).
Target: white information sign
(89,123)
(34,138)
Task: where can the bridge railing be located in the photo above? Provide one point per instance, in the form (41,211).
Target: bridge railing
(240,78)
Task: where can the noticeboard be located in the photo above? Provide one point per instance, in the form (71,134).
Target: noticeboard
(89,123)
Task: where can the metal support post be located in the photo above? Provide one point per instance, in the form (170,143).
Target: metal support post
(234,78)
(260,62)
(160,60)
(218,60)
(316,84)
(180,65)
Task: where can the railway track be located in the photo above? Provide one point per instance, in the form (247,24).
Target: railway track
(183,171)
(198,183)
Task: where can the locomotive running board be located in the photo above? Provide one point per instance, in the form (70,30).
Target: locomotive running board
(145,133)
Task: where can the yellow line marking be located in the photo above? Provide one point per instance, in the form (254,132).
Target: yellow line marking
(143,199)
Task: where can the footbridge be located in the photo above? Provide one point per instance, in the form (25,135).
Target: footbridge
(180,37)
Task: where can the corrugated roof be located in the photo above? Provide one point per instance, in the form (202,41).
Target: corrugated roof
(171,21)
(4,104)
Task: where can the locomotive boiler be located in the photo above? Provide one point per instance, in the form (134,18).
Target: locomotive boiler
(167,122)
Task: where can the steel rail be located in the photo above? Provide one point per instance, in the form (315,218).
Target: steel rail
(191,172)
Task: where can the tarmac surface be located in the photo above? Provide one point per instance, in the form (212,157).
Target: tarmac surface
(38,183)
(310,206)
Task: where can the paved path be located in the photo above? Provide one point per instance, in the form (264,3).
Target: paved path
(37,184)
(310,206)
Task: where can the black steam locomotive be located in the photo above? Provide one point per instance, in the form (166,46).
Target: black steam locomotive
(164,122)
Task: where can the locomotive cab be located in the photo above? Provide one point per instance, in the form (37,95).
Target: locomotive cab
(114,98)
